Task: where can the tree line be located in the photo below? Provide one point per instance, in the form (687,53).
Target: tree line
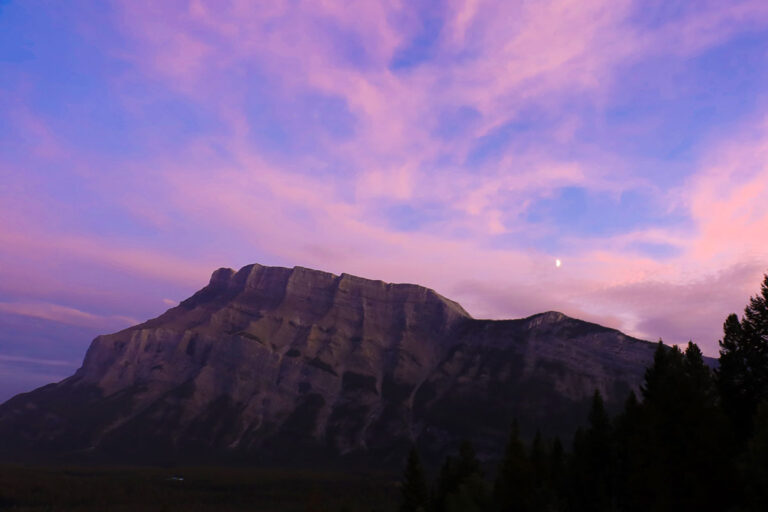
(696,439)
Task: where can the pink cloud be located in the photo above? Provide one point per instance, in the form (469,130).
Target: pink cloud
(610,283)
(523,52)
(727,199)
(140,261)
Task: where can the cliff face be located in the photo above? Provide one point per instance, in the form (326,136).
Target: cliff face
(275,363)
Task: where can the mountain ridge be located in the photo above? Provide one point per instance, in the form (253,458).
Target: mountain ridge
(276,363)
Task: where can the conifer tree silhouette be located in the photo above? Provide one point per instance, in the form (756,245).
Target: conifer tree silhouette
(742,374)
(415,491)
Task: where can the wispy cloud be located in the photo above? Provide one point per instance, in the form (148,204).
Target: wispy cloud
(463,145)
(37,361)
(64,314)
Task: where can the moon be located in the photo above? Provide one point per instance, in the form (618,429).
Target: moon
(558,263)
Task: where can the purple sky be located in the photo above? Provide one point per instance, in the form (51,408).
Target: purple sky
(460,145)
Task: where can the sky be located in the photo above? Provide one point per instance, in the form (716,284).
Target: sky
(464,146)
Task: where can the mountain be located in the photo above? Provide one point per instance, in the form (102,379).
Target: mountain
(271,363)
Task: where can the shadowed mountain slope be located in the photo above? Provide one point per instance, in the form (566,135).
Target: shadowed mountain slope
(271,363)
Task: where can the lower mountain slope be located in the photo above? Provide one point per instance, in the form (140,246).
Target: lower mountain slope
(277,364)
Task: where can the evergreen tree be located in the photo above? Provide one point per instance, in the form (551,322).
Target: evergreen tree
(460,485)
(755,464)
(447,482)
(628,444)
(677,436)
(471,495)
(539,473)
(707,443)
(513,489)
(547,474)
(655,382)
(415,492)
(592,470)
(557,476)
(654,451)
(467,464)
(538,458)
(742,375)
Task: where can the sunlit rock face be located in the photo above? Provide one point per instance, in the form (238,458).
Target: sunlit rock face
(271,363)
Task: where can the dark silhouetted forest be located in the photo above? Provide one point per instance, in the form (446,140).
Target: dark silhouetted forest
(696,439)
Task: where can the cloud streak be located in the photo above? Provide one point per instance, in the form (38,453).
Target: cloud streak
(64,314)
(33,360)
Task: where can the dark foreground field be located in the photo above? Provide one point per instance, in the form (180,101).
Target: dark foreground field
(202,489)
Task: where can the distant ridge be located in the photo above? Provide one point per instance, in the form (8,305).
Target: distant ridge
(278,364)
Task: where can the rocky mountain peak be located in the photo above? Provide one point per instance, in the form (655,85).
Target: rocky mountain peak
(221,277)
(273,362)
(548,317)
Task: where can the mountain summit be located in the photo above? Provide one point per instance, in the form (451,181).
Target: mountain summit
(271,363)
